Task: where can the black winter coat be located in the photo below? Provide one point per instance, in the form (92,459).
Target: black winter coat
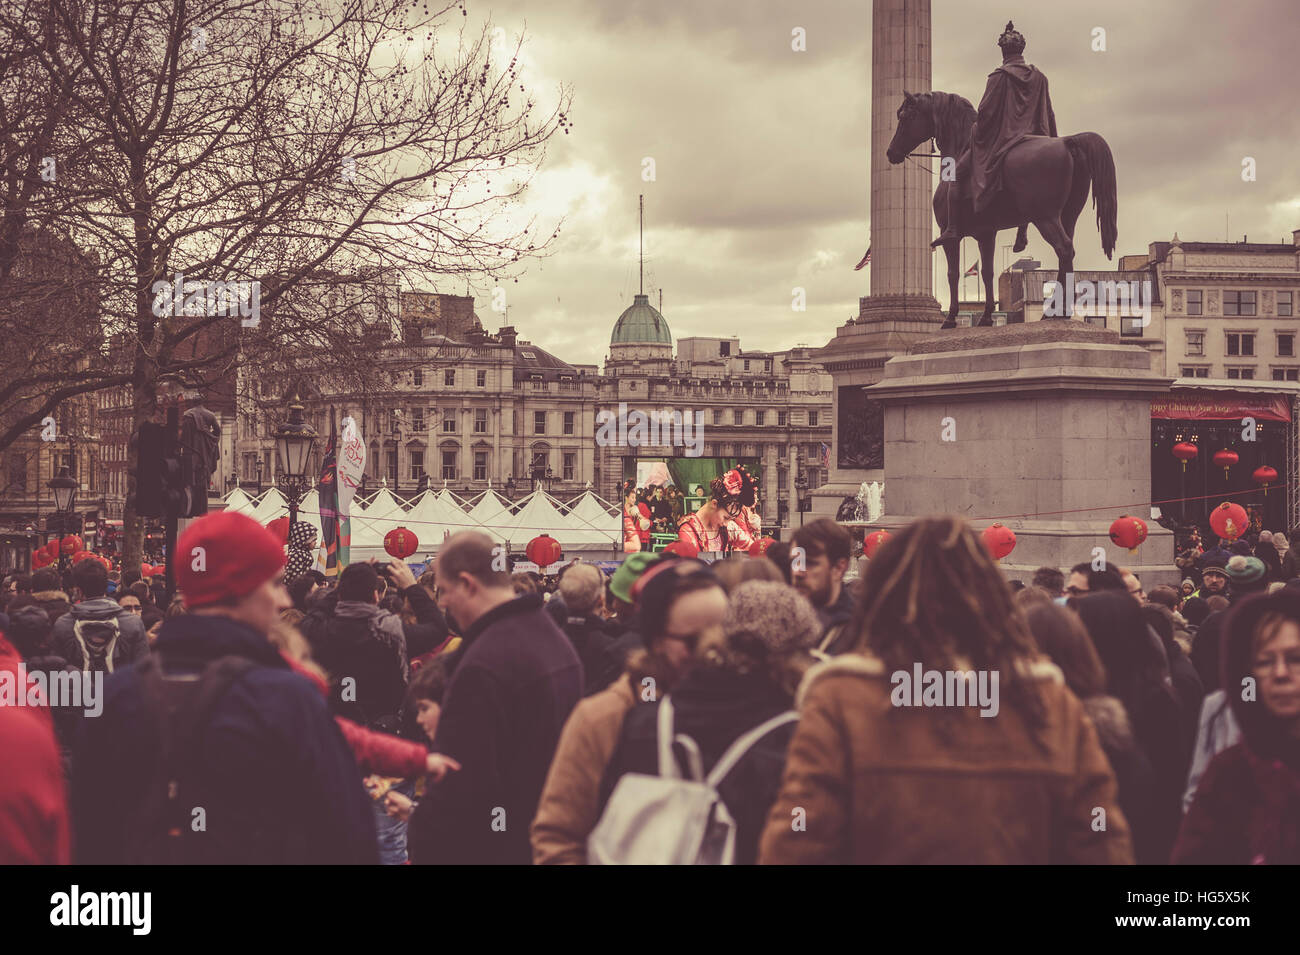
(514,685)
(278,783)
(715,706)
(592,641)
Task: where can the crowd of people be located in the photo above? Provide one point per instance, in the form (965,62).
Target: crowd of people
(757,709)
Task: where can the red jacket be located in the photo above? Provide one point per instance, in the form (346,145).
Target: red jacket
(33,800)
(375,752)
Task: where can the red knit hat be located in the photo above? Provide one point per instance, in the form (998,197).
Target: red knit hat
(225,555)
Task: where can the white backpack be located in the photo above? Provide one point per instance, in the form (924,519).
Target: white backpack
(668,819)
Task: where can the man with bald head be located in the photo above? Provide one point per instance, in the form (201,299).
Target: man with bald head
(512,689)
(582,588)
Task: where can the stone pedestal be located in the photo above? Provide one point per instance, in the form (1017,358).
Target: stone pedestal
(1045,427)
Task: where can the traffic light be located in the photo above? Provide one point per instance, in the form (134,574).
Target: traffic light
(158,483)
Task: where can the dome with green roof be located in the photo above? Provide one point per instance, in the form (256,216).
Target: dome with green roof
(641,324)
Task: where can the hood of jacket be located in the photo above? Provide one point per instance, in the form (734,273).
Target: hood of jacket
(1264,734)
(44,597)
(100,608)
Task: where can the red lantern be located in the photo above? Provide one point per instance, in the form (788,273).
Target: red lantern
(401,543)
(1185,452)
(1265,475)
(1225,459)
(1000,540)
(759,547)
(1229,520)
(280,529)
(71,544)
(543,550)
(871,543)
(39,558)
(1128,532)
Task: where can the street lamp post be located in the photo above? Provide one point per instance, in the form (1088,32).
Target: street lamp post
(800,485)
(259,477)
(64,490)
(294,440)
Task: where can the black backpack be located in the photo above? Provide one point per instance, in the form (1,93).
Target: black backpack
(352,647)
(182,701)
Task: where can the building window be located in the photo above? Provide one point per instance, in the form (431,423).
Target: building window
(724,349)
(717,416)
(540,462)
(417,465)
(1283,304)
(1241,343)
(418,376)
(1098,320)
(782,419)
(1194,371)
(767,365)
(393,423)
(480,465)
(480,378)
(782,479)
(1286,374)
(539,422)
(1194,301)
(449,465)
(1130,327)
(758,417)
(570,464)
(18,472)
(417,419)
(480,421)
(390,462)
(1241,373)
(1196,343)
(568,422)
(448,420)
(746,364)
(738,416)
(812,419)
(1238,303)
(449,377)
(1286,345)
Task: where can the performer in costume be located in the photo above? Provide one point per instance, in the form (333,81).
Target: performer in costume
(717,526)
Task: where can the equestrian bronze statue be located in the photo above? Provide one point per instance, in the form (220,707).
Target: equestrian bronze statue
(1004,166)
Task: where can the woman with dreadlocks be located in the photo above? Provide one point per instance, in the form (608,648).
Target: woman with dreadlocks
(944,738)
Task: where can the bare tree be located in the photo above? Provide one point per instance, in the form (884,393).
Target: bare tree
(307,147)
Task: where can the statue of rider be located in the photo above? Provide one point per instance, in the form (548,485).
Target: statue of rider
(1015,105)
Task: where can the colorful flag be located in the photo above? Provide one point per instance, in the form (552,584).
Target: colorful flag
(974,269)
(351,470)
(826,456)
(866,260)
(328,489)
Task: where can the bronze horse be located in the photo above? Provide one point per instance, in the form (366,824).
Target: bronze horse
(1045,181)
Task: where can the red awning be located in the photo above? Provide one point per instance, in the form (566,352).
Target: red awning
(1221,406)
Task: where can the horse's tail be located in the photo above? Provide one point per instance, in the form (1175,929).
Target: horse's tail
(1092,149)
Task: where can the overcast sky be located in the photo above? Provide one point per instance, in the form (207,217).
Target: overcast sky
(761,152)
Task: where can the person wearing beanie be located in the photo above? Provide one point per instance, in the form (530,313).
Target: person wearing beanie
(268,763)
(746,672)
(682,605)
